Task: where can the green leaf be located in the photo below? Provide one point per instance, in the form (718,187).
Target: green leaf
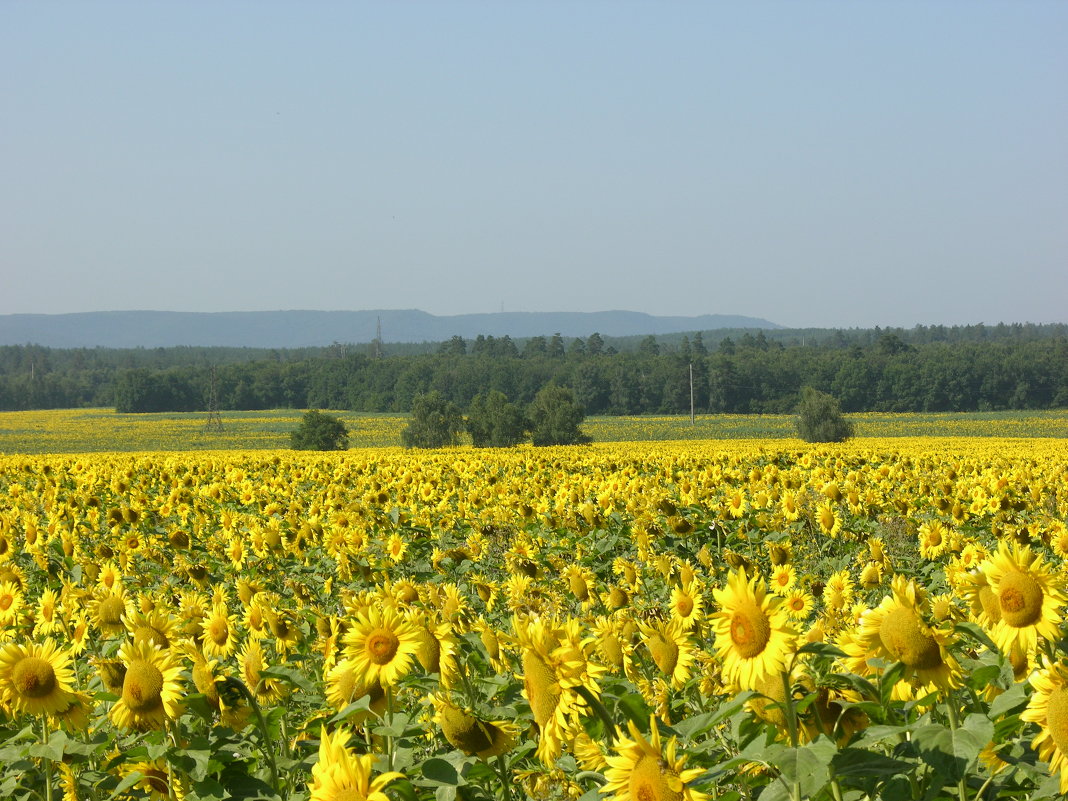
(698,724)
(207,790)
(53,749)
(395,728)
(635,708)
(821,649)
(977,634)
(861,762)
(1011,701)
(362,704)
(808,766)
(290,676)
(437,771)
(128,782)
(953,753)
(192,762)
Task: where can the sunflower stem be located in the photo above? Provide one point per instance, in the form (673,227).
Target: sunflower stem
(954,724)
(389,724)
(47,760)
(506,781)
(267,747)
(601,712)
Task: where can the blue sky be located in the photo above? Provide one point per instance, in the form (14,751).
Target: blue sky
(815,164)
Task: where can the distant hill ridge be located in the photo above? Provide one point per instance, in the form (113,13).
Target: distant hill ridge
(297,329)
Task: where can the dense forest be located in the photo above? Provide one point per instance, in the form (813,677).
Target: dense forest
(927,368)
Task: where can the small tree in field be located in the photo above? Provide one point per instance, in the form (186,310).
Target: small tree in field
(555,417)
(494,422)
(319,432)
(436,423)
(819,418)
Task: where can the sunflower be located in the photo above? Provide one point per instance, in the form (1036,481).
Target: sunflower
(11,602)
(150,688)
(798,603)
(934,538)
(753,636)
(1029,598)
(341,775)
(251,663)
(381,645)
(155,626)
(437,648)
(1048,708)
(255,620)
(156,780)
(37,678)
(108,609)
(871,575)
(473,736)
(641,769)
(688,603)
(897,630)
(827,518)
(671,648)
(783,579)
(220,632)
(343,687)
(396,546)
(556,667)
(46,621)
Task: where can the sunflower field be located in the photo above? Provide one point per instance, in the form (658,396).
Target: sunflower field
(658,621)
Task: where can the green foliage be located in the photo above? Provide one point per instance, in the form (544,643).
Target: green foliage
(819,418)
(319,432)
(436,423)
(555,417)
(494,422)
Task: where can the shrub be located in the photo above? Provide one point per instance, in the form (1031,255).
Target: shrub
(319,432)
(494,422)
(436,423)
(555,417)
(819,418)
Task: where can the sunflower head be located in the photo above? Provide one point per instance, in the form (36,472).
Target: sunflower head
(36,678)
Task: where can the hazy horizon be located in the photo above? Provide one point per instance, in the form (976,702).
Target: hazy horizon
(827,164)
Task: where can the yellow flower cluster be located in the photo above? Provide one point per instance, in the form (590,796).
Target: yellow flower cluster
(483,597)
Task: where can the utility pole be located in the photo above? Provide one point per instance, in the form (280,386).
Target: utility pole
(378,340)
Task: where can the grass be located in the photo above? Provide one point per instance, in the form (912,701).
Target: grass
(95,430)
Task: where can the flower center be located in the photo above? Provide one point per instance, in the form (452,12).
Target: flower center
(429,654)
(990,604)
(1020,597)
(543,692)
(648,781)
(665,652)
(684,606)
(156,780)
(33,677)
(219,631)
(147,633)
(907,642)
(382,646)
(464,731)
(1057,718)
(110,611)
(142,689)
(750,630)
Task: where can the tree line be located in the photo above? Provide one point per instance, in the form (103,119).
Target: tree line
(992,368)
